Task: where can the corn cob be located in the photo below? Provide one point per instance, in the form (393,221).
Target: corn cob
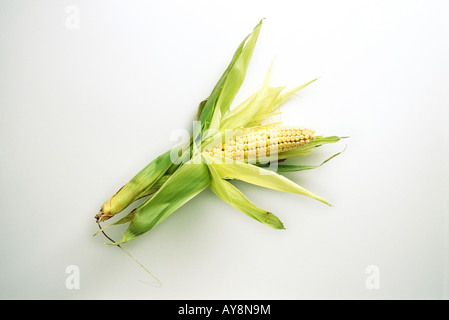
(255,144)
(169,185)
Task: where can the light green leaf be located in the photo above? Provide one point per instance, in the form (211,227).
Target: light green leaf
(285,96)
(260,105)
(261,177)
(270,108)
(247,114)
(188,181)
(227,192)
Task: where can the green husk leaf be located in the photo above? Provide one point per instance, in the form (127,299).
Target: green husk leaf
(156,186)
(235,78)
(207,109)
(188,181)
(238,72)
(230,194)
(136,188)
(228,85)
(261,177)
(302,151)
(200,109)
(293,167)
(150,174)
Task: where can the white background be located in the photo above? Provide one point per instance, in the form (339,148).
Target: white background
(83,110)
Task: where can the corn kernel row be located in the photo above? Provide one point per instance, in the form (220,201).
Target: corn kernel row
(254,144)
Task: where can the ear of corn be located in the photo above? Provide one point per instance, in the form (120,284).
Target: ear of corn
(218,158)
